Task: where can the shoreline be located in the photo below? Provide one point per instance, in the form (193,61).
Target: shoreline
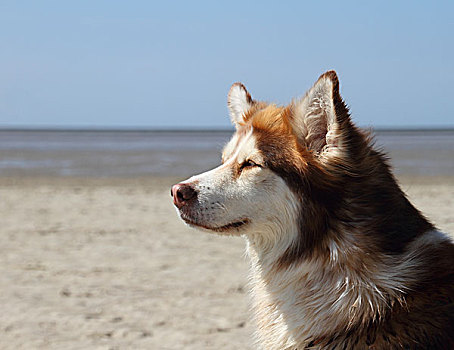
(35,179)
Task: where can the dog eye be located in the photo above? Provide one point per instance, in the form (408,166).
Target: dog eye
(248,164)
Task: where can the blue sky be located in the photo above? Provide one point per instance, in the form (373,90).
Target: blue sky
(170,65)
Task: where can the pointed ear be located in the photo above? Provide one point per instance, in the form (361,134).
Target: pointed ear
(239,102)
(319,117)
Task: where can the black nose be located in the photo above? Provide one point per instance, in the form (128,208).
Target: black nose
(182,193)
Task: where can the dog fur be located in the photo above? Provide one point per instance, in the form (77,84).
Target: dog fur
(340,259)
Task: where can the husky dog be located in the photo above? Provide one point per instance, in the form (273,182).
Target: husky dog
(340,259)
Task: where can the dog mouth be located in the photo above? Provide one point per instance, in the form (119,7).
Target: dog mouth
(223,228)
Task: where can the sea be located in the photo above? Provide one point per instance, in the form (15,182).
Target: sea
(126,153)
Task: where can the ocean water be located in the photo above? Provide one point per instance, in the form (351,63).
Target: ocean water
(182,153)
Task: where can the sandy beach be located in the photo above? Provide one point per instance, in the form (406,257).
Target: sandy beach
(107,264)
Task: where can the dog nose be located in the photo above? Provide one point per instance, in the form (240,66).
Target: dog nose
(182,193)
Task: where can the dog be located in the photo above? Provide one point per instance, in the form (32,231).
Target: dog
(340,259)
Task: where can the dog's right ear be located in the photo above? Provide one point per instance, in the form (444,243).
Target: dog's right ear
(239,102)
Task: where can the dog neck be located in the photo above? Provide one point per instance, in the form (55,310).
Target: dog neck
(311,300)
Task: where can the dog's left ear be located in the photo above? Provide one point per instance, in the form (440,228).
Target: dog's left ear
(239,101)
(320,118)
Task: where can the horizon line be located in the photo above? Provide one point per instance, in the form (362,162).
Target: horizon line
(417,128)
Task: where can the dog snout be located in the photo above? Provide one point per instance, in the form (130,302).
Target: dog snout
(182,194)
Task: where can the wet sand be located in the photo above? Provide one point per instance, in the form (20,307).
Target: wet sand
(107,264)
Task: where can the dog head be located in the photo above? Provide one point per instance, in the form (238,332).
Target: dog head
(277,170)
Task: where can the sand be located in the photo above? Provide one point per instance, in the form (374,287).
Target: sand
(107,264)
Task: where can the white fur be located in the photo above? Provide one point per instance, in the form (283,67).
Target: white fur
(257,195)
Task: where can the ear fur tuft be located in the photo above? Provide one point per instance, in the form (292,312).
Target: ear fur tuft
(320,115)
